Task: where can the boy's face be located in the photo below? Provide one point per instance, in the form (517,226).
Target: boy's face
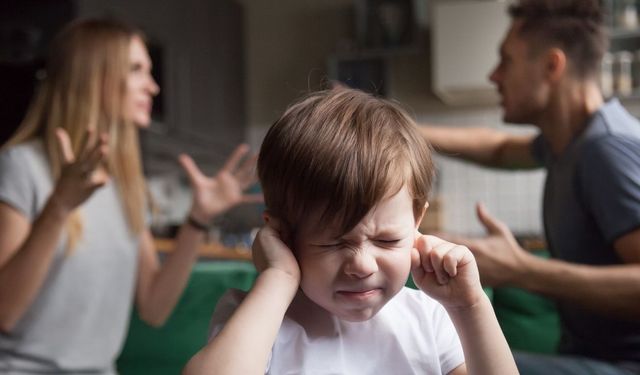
(355,275)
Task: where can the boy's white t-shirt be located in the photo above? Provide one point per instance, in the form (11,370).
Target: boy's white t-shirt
(411,334)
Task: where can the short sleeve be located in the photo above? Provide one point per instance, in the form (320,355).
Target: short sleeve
(609,178)
(539,150)
(448,343)
(226,306)
(17,187)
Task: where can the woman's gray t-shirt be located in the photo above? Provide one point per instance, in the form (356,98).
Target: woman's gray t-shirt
(78,321)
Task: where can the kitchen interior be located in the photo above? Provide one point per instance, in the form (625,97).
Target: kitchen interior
(227,68)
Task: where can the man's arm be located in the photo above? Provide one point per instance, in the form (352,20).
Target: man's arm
(485,146)
(610,290)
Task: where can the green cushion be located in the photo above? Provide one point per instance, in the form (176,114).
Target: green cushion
(529,321)
(166,350)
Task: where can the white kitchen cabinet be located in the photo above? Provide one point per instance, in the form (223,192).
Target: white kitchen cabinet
(465,38)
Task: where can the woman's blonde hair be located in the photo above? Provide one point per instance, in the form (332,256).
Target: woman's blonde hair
(84,88)
(342,151)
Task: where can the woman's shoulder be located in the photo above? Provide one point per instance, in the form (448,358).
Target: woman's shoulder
(18,152)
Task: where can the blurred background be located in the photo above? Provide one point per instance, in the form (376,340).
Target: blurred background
(228,68)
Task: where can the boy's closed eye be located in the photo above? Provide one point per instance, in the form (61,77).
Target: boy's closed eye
(388,241)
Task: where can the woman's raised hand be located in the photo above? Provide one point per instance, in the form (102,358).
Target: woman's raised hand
(81,174)
(216,194)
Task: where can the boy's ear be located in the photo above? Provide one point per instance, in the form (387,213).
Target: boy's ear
(419,218)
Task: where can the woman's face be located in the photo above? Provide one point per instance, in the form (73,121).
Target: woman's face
(141,87)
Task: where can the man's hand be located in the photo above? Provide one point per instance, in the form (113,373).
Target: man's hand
(500,259)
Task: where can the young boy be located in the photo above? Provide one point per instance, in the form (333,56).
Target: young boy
(346,178)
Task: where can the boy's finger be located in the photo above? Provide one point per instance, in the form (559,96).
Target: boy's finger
(437,257)
(452,259)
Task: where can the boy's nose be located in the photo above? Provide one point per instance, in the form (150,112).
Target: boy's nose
(361,264)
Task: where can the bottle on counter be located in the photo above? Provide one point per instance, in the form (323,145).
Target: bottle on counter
(606,77)
(623,77)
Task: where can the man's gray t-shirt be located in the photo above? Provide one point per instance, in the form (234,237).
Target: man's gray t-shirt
(79,319)
(592,198)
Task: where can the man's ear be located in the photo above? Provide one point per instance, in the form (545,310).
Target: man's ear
(419,217)
(555,64)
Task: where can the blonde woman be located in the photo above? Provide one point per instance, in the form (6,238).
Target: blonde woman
(75,248)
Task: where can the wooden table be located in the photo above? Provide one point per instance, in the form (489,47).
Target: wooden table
(214,250)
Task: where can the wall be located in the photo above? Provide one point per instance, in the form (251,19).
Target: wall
(203,71)
(288,42)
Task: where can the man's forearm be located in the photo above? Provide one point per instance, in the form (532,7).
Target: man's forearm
(485,146)
(602,289)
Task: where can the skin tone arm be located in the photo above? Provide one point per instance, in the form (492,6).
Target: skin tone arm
(254,325)
(160,286)
(448,273)
(610,290)
(485,146)
(27,250)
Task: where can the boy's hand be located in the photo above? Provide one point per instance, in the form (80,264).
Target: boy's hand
(446,272)
(269,251)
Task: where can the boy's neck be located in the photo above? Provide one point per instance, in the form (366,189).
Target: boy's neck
(315,320)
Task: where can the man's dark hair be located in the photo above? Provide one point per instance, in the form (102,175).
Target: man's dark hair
(575,26)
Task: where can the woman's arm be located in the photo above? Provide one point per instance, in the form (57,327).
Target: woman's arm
(26,253)
(160,285)
(27,250)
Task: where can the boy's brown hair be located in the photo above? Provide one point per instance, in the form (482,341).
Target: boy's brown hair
(342,151)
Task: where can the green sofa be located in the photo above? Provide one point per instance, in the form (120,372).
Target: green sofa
(529,322)
(165,351)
